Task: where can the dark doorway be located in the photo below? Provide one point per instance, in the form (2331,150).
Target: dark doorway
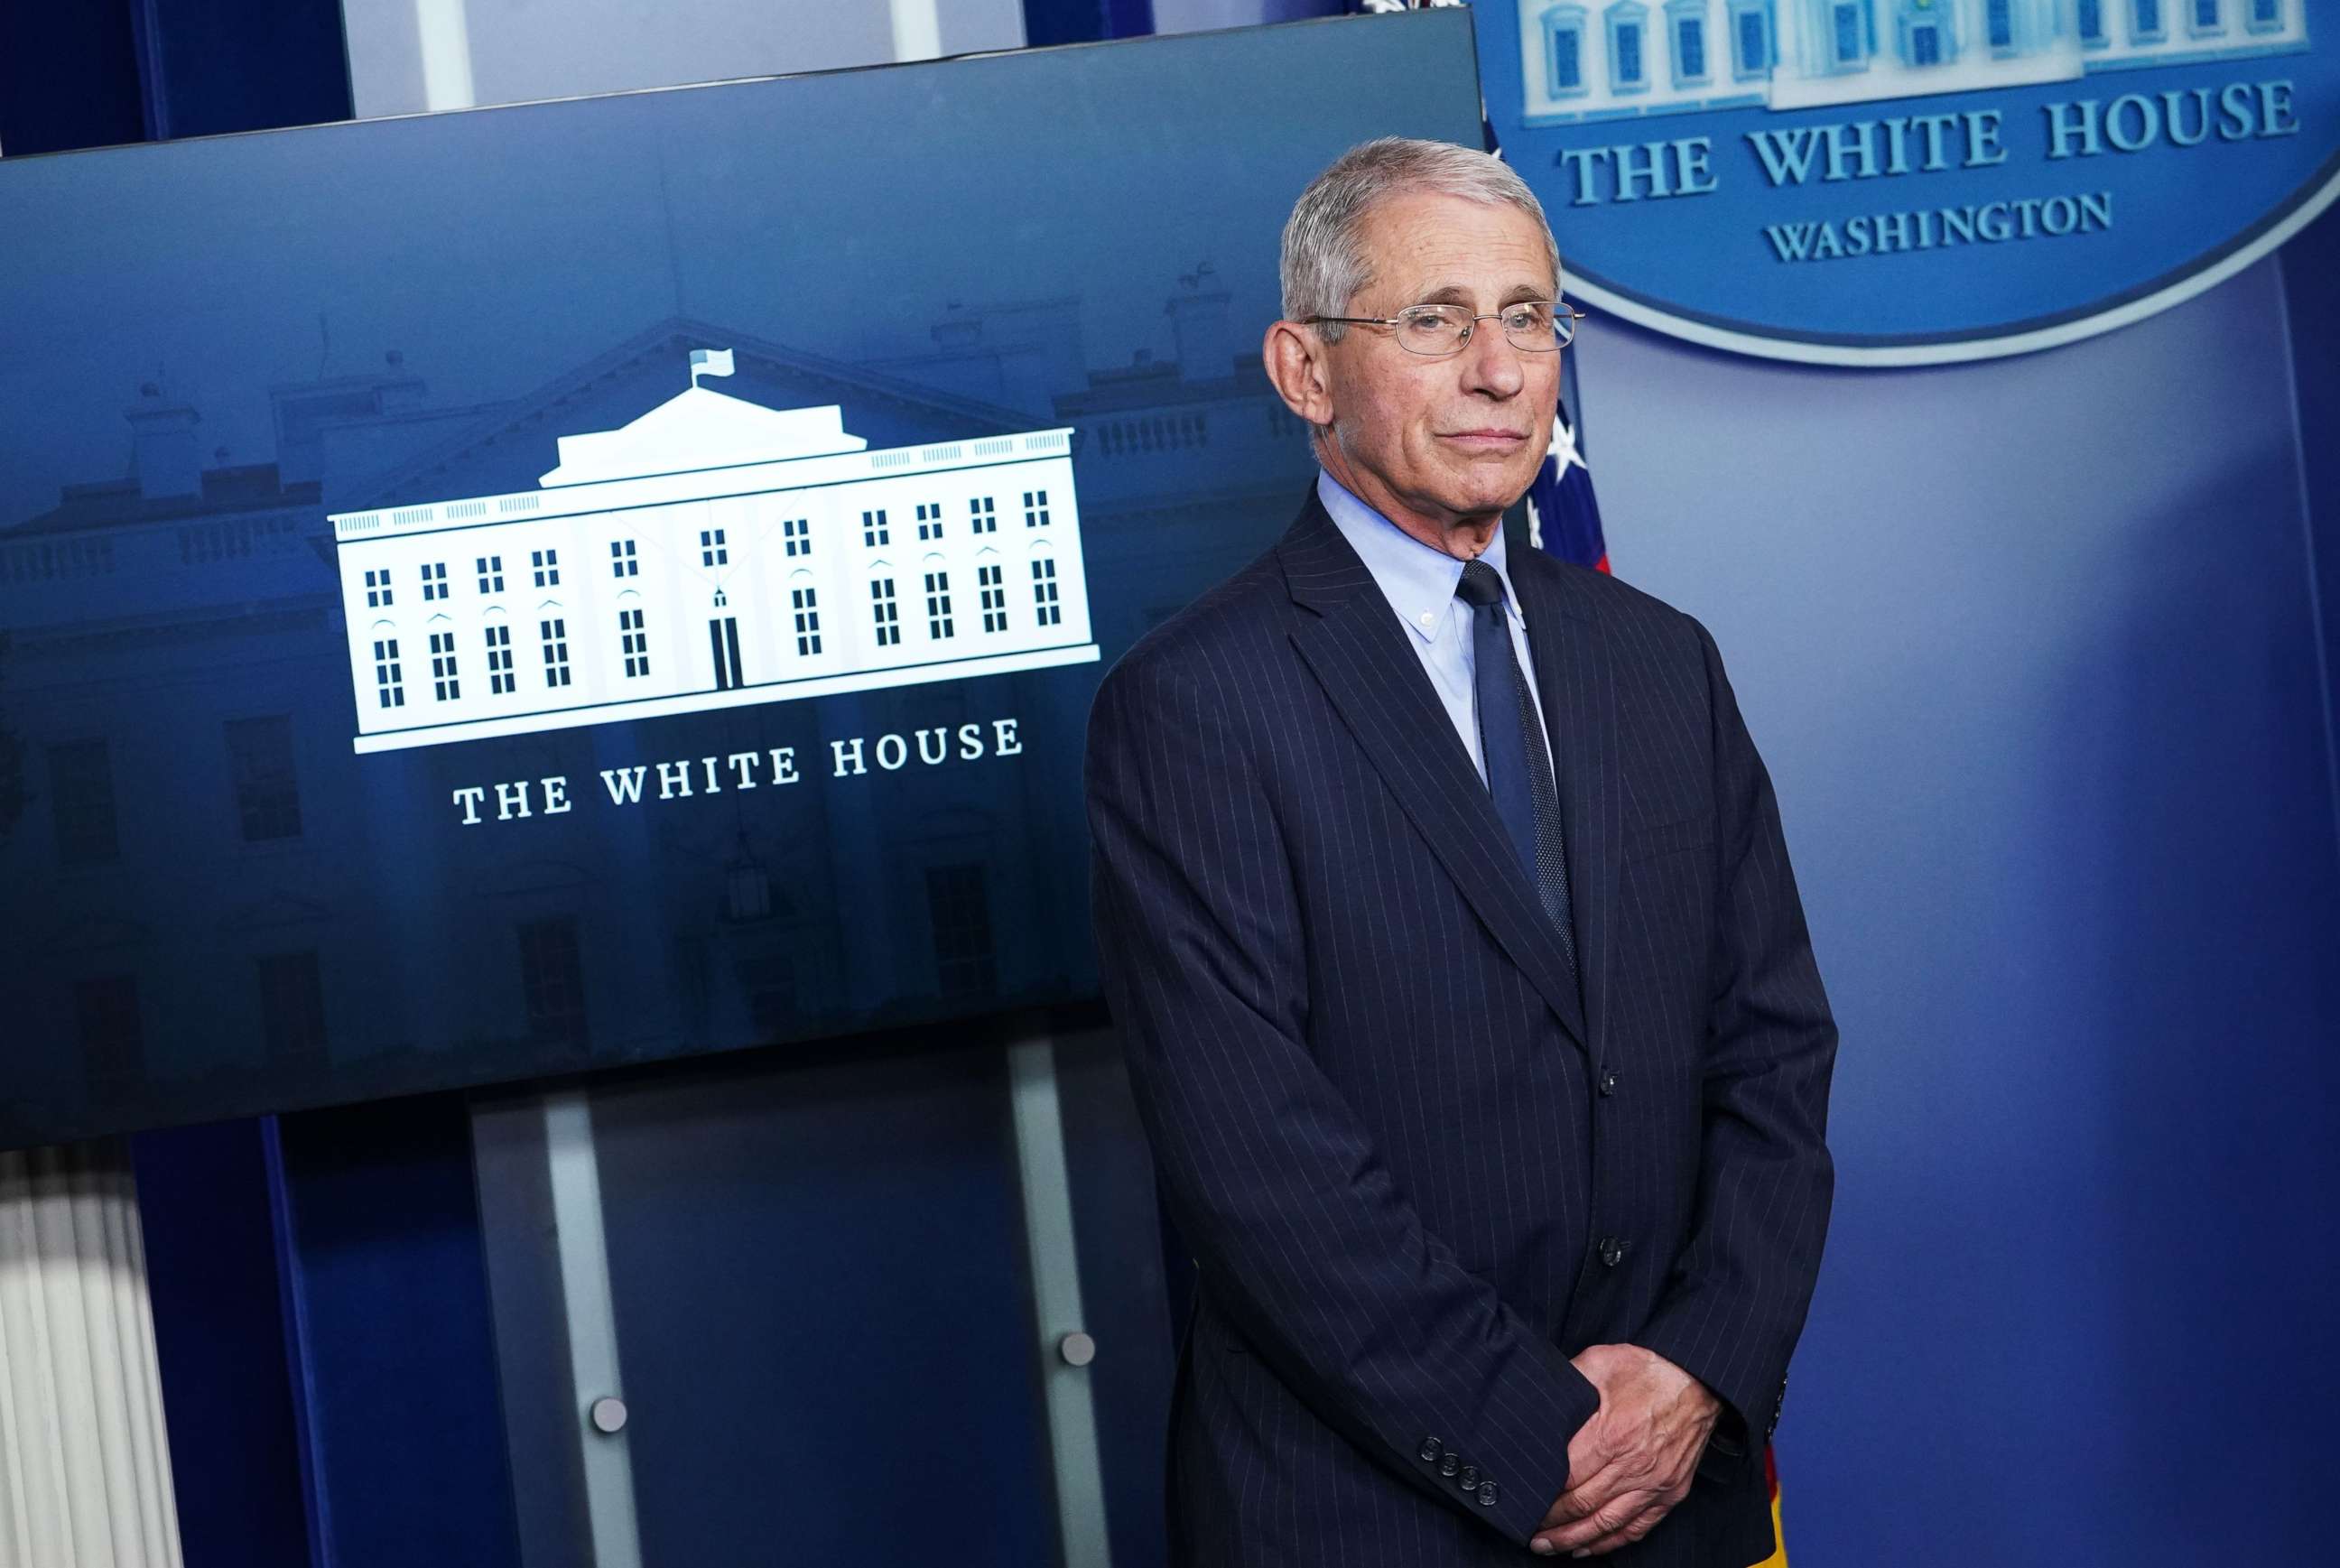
(723,636)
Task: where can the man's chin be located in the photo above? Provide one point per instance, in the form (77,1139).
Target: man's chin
(1476,493)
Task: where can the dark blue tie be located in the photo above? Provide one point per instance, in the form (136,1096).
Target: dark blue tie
(1511,740)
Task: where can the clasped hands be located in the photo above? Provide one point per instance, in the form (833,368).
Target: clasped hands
(1632,1462)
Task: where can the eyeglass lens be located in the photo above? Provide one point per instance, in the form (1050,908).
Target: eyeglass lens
(1442,329)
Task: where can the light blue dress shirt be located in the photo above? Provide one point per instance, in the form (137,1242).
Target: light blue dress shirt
(1418,583)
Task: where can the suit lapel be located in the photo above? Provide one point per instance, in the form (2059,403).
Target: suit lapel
(1357,652)
(1578,692)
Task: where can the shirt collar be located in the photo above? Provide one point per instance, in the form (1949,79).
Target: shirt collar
(1418,581)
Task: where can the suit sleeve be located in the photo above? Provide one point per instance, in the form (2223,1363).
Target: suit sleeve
(1302,1237)
(1734,1306)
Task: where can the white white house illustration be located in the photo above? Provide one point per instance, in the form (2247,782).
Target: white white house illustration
(1611,59)
(712,553)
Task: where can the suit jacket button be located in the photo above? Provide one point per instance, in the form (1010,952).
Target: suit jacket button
(1487,1493)
(1469,1479)
(1431,1449)
(1612,1251)
(1608,1080)
(1449,1465)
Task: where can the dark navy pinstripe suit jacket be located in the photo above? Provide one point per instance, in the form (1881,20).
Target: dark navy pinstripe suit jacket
(1400,1143)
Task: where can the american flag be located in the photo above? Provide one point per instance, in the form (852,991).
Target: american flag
(1563,518)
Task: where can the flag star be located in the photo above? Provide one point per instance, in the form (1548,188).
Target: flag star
(1563,450)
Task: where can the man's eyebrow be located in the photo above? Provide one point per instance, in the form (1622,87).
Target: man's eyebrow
(1456,295)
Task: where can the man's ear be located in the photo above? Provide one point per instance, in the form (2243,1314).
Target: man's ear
(1294,361)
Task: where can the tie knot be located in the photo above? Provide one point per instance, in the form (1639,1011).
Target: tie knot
(1480,586)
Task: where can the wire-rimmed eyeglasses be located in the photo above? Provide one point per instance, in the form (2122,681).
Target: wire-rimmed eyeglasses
(1531,326)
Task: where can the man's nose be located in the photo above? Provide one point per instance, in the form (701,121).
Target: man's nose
(1490,363)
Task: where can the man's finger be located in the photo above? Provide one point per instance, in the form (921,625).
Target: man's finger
(1636,1529)
(1619,1471)
(1603,1486)
(1585,1497)
(1611,1516)
(1641,1510)
(1604,1476)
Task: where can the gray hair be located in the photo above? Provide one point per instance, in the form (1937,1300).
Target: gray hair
(1324,264)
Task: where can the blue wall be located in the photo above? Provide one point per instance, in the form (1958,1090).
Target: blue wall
(2032,649)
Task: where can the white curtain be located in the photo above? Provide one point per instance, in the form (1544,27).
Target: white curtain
(84,1462)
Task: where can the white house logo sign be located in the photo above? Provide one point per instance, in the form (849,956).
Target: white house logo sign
(712,553)
(1898,182)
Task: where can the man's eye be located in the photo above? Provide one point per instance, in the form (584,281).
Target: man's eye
(1526,316)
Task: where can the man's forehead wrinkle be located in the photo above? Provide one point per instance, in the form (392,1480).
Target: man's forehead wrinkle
(1443,279)
(1454,294)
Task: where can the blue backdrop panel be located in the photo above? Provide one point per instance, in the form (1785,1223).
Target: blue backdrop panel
(2032,651)
(68,78)
(212,66)
(395,1352)
(224,1349)
(1084,21)
(104,73)
(2311,273)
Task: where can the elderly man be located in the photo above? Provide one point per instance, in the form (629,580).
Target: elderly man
(1443,904)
